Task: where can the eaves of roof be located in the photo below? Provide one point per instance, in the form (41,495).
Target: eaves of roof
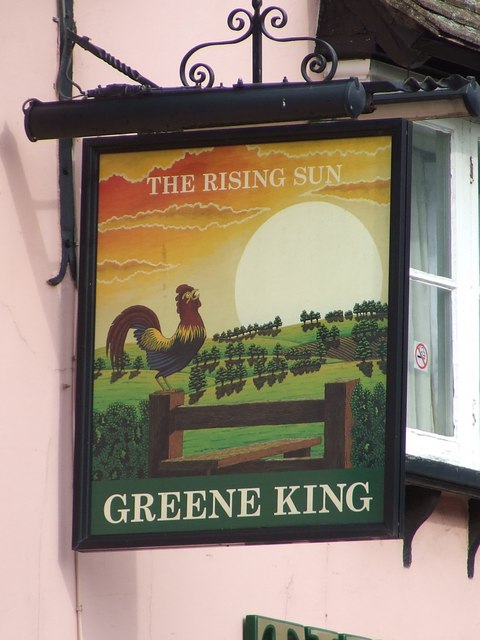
(429,36)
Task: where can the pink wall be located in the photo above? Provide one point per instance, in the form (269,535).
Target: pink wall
(360,588)
(38,583)
(203,592)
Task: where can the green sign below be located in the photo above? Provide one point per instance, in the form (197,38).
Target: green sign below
(261,628)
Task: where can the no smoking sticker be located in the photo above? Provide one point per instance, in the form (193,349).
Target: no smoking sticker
(421,356)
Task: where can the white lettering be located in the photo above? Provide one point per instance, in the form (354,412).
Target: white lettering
(335,175)
(249,502)
(299,176)
(337,501)
(169,505)
(184,183)
(235,180)
(243,502)
(365,501)
(209,180)
(309,497)
(283,500)
(195,509)
(188,183)
(226,506)
(317,175)
(170,184)
(247,179)
(154,181)
(277,178)
(107,508)
(142,503)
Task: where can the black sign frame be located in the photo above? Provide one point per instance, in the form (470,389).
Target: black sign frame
(244,498)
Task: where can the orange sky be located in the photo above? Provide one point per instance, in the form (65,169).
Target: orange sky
(169,217)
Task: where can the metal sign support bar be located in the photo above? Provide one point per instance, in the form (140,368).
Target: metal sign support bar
(179,109)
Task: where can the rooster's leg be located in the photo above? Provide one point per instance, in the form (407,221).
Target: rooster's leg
(163,382)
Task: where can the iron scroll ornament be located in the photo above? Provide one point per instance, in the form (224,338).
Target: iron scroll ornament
(323,60)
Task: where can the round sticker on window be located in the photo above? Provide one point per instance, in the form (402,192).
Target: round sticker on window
(421,357)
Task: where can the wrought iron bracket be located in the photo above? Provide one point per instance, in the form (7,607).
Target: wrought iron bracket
(65,150)
(473,534)
(87,45)
(411,90)
(322,61)
(420,503)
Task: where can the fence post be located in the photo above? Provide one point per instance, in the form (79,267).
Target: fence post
(338,424)
(164,441)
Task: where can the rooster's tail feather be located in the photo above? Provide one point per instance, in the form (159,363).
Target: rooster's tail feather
(136,317)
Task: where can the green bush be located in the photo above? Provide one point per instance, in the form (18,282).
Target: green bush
(120,442)
(368,433)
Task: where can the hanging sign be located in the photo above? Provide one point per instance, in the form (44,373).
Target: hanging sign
(241,336)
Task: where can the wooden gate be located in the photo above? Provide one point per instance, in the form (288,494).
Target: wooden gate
(169,419)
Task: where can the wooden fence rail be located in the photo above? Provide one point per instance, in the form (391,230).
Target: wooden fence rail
(169,419)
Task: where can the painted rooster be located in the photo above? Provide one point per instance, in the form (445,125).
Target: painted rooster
(166,355)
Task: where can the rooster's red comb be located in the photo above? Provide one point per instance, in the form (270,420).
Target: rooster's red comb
(182,288)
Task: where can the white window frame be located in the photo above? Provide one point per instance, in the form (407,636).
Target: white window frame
(463,448)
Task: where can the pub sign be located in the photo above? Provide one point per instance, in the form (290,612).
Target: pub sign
(241,336)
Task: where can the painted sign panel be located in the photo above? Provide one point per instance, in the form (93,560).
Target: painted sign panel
(241,336)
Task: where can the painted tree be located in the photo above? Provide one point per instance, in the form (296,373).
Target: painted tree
(364,350)
(382,349)
(320,349)
(239,350)
(323,333)
(197,380)
(138,363)
(282,366)
(221,376)
(203,356)
(231,372)
(120,442)
(230,351)
(371,307)
(365,329)
(271,367)
(215,354)
(278,350)
(259,368)
(368,432)
(99,365)
(241,371)
(126,361)
(334,334)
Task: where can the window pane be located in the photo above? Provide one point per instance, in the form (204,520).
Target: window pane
(430,382)
(430,235)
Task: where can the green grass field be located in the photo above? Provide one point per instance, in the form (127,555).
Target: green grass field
(132,387)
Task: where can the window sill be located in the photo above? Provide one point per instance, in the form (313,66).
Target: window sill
(442,476)
(425,481)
